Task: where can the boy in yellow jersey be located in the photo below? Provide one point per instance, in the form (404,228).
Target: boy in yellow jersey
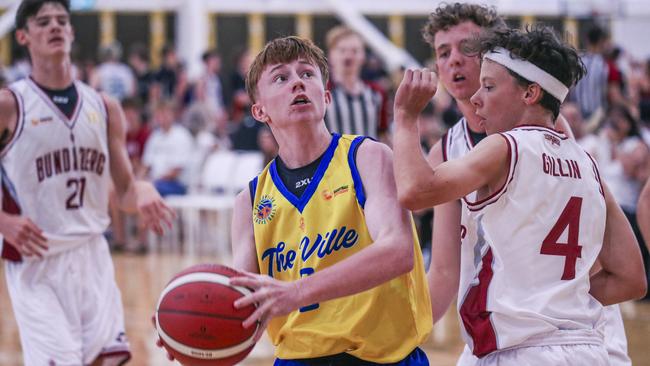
(333,259)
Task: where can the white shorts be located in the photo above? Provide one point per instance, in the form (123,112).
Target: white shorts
(68,307)
(615,339)
(559,348)
(467,358)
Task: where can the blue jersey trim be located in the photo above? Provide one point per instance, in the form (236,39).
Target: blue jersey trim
(301,202)
(252,187)
(356,177)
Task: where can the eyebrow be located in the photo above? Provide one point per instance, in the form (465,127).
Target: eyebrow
(274,68)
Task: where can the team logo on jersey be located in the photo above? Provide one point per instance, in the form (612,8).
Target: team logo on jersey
(37,121)
(554,141)
(93,117)
(265,210)
(328,195)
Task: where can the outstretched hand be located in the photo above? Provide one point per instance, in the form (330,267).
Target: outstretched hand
(414,92)
(273,298)
(24,235)
(153,210)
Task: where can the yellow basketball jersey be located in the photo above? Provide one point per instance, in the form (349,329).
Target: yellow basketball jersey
(296,237)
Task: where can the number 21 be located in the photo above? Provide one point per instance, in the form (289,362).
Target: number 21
(76,199)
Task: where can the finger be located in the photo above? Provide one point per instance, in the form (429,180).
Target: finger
(252,298)
(408,76)
(257,315)
(37,232)
(260,330)
(246,281)
(38,242)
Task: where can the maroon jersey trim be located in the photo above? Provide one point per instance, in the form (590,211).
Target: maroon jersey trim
(513,153)
(474,314)
(444,146)
(594,166)
(20,121)
(9,205)
(558,134)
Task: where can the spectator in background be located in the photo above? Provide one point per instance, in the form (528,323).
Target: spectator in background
(590,93)
(139,63)
(137,134)
(208,89)
(239,101)
(267,144)
(171,76)
(167,151)
(112,76)
(623,159)
(357,107)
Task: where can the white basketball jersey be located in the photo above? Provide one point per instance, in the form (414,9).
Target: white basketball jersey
(535,240)
(56,169)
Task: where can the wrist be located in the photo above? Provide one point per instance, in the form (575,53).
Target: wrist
(405,117)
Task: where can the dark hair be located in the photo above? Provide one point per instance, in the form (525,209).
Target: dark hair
(595,35)
(132,103)
(627,115)
(285,50)
(208,54)
(29,8)
(540,46)
(449,15)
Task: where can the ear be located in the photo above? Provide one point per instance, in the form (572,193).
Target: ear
(533,94)
(259,113)
(21,37)
(328,97)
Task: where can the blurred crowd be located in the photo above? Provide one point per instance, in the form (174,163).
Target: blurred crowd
(175,124)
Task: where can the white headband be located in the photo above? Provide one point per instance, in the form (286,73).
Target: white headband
(529,71)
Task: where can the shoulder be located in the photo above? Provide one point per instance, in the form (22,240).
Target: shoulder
(7,100)
(373,153)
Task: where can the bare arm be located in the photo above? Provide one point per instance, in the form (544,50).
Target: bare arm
(133,195)
(643,213)
(17,230)
(243,238)
(444,272)
(418,185)
(390,255)
(622,276)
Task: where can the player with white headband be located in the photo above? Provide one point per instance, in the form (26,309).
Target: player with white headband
(541,216)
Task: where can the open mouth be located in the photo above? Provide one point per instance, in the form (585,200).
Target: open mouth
(56,40)
(458,77)
(301,100)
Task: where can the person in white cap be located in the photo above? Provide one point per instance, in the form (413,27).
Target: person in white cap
(540,214)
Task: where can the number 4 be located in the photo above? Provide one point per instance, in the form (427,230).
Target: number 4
(570,217)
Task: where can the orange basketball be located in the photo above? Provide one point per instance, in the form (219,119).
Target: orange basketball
(197,320)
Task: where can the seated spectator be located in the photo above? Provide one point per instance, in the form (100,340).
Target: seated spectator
(167,151)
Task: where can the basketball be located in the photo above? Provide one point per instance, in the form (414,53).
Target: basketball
(197,321)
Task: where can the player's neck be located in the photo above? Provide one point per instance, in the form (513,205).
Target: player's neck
(469,112)
(300,145)
(51,74)
(536,116)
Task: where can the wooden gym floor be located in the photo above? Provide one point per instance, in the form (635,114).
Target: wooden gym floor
(141,278)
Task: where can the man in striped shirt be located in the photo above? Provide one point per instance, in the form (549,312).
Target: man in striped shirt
(590,92)
(357,107)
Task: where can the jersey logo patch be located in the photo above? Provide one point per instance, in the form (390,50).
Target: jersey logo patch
(552,140)
(36,122)
(328,195)
(265,210)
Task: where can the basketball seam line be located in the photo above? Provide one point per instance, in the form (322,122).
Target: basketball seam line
(199,313)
